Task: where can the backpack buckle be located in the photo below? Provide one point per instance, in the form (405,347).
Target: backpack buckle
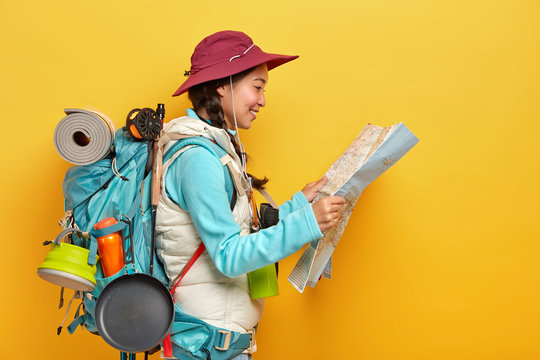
(252,340)
(226,342)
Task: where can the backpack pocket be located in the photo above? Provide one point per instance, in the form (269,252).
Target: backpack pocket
(90,298)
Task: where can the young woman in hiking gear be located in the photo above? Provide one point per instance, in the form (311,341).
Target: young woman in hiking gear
(207,191)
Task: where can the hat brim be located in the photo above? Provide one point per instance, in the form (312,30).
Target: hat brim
(254,57)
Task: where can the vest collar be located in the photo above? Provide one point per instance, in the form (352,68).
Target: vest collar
(191,113)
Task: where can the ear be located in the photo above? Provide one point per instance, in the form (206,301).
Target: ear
(221,90)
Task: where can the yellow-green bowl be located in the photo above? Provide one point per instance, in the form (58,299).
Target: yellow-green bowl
(67,265)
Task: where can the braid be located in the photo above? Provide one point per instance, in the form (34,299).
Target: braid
(215,114)
(205,96)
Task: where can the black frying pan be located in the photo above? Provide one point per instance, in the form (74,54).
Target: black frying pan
(134,312)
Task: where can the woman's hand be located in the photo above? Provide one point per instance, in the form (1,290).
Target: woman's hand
(311,189)
(327,211)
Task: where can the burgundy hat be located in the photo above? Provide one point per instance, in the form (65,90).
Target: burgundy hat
(227,53)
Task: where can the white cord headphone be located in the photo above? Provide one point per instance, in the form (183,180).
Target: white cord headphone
(243,158)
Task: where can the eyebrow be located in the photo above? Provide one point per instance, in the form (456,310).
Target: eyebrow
(260,79)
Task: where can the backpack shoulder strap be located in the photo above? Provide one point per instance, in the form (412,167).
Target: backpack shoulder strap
(237,178)
(209,145)
(190,140)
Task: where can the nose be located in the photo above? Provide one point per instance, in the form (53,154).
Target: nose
(262,100)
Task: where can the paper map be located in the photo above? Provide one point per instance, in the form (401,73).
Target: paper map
(371,153)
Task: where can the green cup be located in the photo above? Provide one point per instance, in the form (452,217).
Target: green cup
(263,282)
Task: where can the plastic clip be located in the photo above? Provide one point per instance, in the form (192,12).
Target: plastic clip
(226,342)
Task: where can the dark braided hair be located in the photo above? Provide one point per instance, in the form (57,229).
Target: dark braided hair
(205,96)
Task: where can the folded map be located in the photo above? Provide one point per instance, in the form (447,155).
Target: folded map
(371,153)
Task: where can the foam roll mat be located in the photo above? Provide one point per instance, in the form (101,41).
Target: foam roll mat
(83,136)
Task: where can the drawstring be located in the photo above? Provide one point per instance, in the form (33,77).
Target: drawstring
(115,170)
(75,296)
(237,56)
(249,190)
(240,145)
(243,157)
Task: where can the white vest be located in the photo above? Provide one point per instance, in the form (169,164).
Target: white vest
(204,292)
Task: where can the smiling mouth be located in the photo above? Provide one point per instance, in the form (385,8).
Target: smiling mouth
(254,113)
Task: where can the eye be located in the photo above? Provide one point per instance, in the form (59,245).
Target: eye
(259,88)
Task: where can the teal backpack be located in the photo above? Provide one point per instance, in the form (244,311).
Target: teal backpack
(119,186)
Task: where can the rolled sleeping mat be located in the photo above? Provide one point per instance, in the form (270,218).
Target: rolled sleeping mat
(83,136)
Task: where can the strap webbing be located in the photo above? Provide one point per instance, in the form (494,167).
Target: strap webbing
(67,311)
(120,225)
(185,269)
(111,229)
(268,198)
(166,137)
(237,179)
(167,346)
(78,320)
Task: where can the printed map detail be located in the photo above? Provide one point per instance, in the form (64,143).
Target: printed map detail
(371,153)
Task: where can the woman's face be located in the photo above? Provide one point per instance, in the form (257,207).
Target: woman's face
(248,98)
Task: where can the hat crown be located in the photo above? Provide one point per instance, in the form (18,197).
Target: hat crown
(219,47)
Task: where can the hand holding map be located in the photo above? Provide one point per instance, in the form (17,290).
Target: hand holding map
(328,211)
(372,152)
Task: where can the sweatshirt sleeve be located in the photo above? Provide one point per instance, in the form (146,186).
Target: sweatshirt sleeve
(198,175)
(298,201)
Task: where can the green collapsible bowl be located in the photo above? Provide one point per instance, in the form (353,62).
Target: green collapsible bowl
(67,265)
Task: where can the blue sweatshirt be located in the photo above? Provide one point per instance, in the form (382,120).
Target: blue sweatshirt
(199,183)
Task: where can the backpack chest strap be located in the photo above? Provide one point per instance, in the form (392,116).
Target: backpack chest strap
(240,184)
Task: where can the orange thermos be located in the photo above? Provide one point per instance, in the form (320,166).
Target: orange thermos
(110,248)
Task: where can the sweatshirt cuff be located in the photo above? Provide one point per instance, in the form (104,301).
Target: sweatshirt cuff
(299,200)
(312,222)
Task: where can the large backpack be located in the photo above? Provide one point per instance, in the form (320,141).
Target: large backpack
(120,186)
(116,186)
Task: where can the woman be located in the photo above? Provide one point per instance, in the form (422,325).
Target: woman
(207,191)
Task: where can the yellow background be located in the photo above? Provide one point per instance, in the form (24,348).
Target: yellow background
(440,258)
